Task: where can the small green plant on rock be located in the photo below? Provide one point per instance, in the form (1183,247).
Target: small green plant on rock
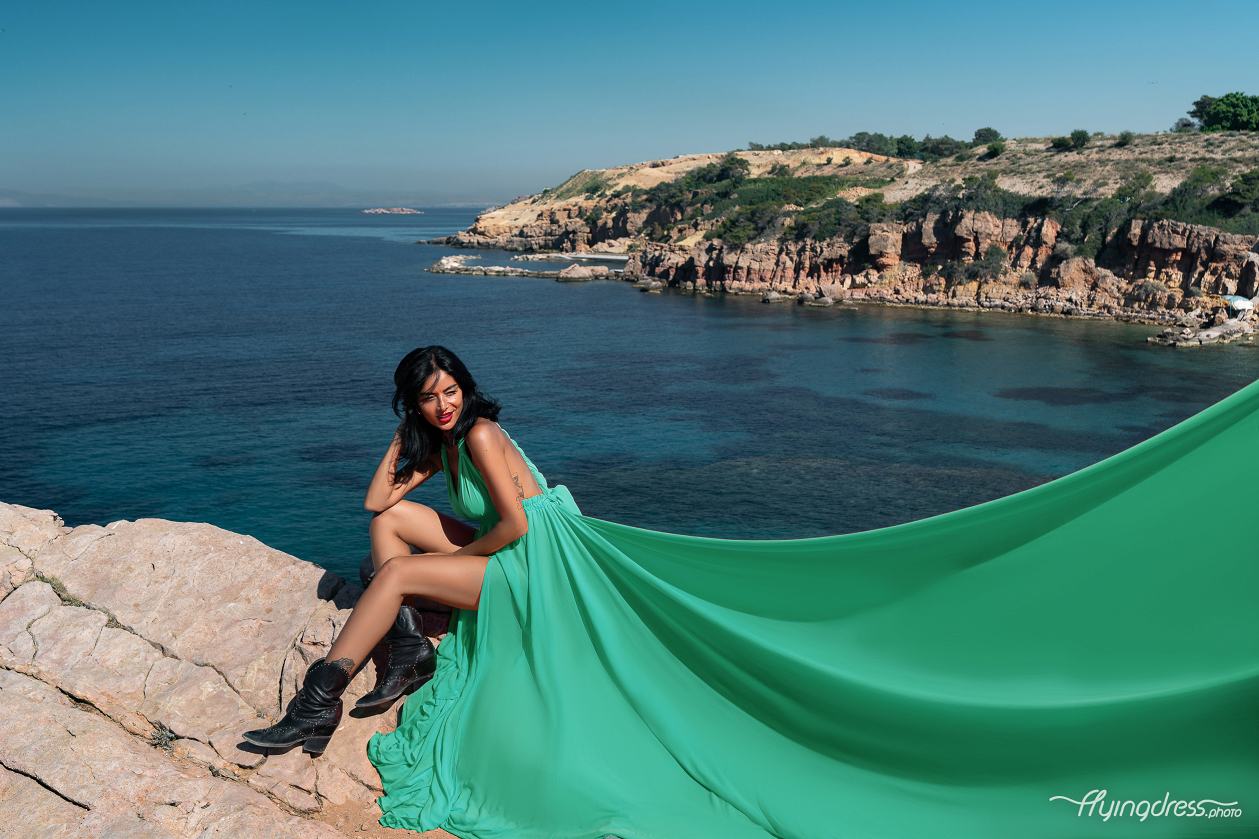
(1063,251)
(162,738)
(1150,288)
(1125,138)
(995,149)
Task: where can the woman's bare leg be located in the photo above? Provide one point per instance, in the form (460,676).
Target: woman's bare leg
(453,580)
(406,525)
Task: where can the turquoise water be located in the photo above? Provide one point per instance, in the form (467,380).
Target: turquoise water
(236,367)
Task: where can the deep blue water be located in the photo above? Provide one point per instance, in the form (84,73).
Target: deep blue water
(236,367)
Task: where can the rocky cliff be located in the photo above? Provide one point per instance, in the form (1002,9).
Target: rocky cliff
(1160,270)
(1144,269)
(131,658)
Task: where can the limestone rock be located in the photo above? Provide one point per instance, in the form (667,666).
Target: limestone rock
(231,746)
(18,611)
(27,529)
(885,245)
(1248,279)
(193,701)
(578,273)
(92,763)
(33,812)
(289,777)
(203,594)
(154,626)
(1075,274)
(15,569)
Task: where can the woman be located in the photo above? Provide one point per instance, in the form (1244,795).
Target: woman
(444,414)
(988,673)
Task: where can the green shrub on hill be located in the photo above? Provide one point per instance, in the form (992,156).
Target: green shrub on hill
(839,216)
(905,146)
(1242,196)
(937,148)
(987,267)
(753,209)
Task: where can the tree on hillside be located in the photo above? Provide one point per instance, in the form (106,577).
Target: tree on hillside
(1232,112)
(1080,138)
(934,148)
(1200,108)
(873,143)
(907,146)
(1184,125)
(732,168)
(984,136)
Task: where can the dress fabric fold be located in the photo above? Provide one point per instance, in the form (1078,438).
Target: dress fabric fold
(978,674)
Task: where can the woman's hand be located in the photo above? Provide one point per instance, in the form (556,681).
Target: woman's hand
(384,491)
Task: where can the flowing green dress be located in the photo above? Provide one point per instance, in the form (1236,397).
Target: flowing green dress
(985,673)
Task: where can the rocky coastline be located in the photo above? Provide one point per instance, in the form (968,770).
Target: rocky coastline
(572,274)
(1152,271)
(1163,272)
(131,658)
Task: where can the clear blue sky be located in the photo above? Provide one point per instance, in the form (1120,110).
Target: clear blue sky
(485,100)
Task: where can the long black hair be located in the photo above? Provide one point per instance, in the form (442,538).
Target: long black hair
(420,440)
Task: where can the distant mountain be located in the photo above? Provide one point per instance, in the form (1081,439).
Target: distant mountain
(253,194)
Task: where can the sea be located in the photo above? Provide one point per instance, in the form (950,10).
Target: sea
(235,367)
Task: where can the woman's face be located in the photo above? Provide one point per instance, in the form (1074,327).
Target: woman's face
(441,400)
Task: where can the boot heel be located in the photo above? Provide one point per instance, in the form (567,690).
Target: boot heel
(317,745)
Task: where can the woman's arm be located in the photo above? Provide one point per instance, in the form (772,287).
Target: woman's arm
(487,446)
(383,492)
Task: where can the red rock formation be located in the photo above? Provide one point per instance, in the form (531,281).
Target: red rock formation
(1183,255)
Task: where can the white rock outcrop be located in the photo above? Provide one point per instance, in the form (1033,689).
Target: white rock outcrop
(131,658)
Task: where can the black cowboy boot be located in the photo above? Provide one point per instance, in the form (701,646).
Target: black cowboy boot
(411,659)
(312,716)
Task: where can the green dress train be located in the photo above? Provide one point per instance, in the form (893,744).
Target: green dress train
(1077,660)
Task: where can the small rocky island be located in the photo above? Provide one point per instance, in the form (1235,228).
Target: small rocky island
(394,211)
(132,656)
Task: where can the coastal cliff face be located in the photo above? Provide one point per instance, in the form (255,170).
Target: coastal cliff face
(1155,270)
(1160,267)
(132,657)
